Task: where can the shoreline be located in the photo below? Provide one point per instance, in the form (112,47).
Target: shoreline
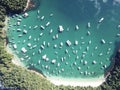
(93,82)
(15,60)
(27,5)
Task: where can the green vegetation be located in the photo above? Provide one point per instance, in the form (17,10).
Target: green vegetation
(113,80)
(14,6)
(18,77)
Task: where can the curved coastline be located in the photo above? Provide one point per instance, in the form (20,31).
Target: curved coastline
(93,82)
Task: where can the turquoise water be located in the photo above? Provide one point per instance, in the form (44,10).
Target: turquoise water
(67,13)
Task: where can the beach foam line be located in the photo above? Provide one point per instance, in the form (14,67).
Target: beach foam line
(93,82)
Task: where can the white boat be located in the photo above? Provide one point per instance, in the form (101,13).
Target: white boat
(53,61)
(103,41)
(38,11)
(15,46)
(42,47)
(82,43)
(76,42)
(58,64)
(41,34)
(38,61)
(25,15)
(85,62)
(60,28)
(118,35)
(74,63)
(87,48)
(42,17)
(34,46)
(29,44)
(96,47)
(61,44)
(66,51)
(18,23)
(88,33)
(94,62)
(101,20)
(56,36)
(44,43)
(47,59)
(35,26)
(68,43)
(47,24)
(24,31)
(51,31)
(29,37)
(19,20)
(76,27)
(63,69)
(23,49)
(79,68)
(55,46)
(51,14)
(33,53)
(18,30)
(88,25)
(39,51)
(48,44)
(42,27)
(20,35)
(44,57)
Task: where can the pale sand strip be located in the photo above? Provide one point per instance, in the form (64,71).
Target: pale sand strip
(27,5)
(93,82)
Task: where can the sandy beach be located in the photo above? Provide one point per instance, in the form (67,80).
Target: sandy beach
(93,82)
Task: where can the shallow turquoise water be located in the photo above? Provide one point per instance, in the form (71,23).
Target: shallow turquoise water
(67,13)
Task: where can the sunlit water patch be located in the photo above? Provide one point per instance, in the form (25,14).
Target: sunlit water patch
(66,38)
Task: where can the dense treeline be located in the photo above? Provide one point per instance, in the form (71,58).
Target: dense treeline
(14,6)
(113,80)
(2,15)
(22,79)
